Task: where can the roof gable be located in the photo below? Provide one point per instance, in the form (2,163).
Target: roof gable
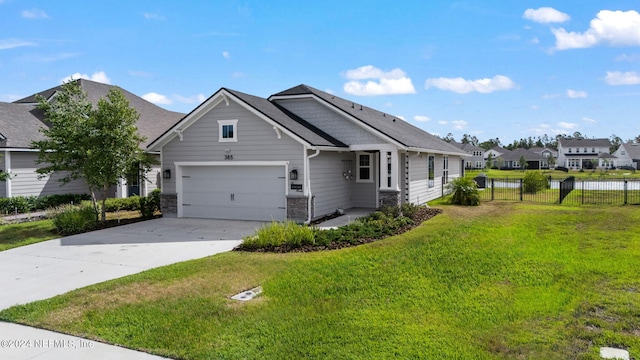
(579,142)
(381,124)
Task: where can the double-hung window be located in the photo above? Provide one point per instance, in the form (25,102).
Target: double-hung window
(431,165)
(365,166)
(227,130)
(445,170)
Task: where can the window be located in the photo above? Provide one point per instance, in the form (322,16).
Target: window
(569,150)
(478,164)
(577,150)
(227,130)
(585,150)
(622,152)
(431,170)
(445,171)
(364,168)
(593,150)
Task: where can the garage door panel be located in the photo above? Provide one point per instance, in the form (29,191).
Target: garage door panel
(234,192)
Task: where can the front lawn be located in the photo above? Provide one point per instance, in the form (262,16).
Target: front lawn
(498,281)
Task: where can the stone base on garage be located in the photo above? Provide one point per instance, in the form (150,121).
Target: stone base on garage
(169,205)
(297,208)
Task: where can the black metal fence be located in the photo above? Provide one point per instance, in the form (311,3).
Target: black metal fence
(564,191)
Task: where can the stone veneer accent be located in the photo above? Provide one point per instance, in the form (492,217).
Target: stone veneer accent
(169,204)
(389,198)
(297,208)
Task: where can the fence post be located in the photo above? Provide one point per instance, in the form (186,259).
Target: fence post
(583,192)
(625,192)
(521,189)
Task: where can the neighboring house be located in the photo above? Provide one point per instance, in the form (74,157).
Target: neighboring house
(476,158)
(20,124)
(496,155)
(300,154)
(628,154)
(511,160)
(545,152)
(579,153)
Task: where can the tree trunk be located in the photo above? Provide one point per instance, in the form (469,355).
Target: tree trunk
(94,201)
(103,216)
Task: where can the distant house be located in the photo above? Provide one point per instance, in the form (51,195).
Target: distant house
(511,160)
(496,155)
(545,152)
(20,124)
(628,154)
(578,153)
(476,158)
(300,154)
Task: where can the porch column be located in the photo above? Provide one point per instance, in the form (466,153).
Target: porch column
(121,189)
(389,161)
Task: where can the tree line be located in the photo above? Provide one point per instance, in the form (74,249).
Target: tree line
(534,141)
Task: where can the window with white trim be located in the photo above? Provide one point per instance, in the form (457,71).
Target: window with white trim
(227,130)
(364,168)
(445,170)
(431,166)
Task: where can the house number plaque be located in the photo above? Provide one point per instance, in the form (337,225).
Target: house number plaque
(228,157)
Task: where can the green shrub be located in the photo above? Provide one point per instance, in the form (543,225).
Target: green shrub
(24,204)
(464,190)
(131,203)
(280,233)
(534,182)
(409,210)
(73,219)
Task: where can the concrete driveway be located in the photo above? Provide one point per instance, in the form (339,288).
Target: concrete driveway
(54,267)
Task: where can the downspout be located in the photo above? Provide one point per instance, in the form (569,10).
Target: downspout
(307,177)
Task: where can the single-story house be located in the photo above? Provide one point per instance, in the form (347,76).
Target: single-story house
(511,160)
(20,124)
(301,154)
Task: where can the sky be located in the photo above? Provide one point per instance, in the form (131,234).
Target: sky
(490,69)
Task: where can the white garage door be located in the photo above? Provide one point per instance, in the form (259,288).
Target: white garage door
(234,192)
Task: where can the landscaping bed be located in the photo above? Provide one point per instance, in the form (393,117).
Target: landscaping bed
(361,231)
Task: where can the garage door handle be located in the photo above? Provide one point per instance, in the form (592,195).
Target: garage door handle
(186,204)
(233,197)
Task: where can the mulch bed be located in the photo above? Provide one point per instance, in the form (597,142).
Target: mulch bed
(423,214)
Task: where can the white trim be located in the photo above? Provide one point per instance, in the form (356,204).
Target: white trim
(7,169)
(370,166)
(180,164)
(20,150)
(222,124)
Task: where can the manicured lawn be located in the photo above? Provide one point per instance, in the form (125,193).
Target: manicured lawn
(15,235)
(587,174)
(27,233)
(498,281)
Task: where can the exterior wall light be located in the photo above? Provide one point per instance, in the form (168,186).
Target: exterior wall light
(293,174)
(166,174)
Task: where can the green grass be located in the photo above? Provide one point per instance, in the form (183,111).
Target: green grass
(556,174)
(15,235)
(497,281)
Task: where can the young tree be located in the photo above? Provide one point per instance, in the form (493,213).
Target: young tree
(99,144)
(523,163)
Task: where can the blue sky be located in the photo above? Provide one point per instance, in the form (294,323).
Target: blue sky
(506,69)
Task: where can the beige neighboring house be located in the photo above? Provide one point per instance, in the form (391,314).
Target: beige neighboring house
(20,124)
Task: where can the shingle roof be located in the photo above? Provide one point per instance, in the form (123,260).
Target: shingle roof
(288,120)
(633,150)
(466,147)
(153,120)
(516,154)
(566,142)
(20,125)
(389,125)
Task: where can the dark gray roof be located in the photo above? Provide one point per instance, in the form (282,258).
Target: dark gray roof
(20,125)
(288,120)
(577,142)
(153,120)
(470,148)
(516,154)
(633,150)
(389,125)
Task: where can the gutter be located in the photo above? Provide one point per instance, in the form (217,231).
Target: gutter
(307,177)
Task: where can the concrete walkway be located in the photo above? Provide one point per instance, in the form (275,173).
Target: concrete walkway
(53,267)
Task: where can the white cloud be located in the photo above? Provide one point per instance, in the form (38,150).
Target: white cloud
(551,96)
(615,28)
(421,118)
(99,76)
(545,15)
(384,83)
(576,94)
(442,122)
(34,14)
(14,43)
(459,124)
(153,16)
(567,126)
(463,86)
(589,120)
(238,74)
(157,99)
(226,55)
(622,78)
(629,58)
(535,107)
(196,99)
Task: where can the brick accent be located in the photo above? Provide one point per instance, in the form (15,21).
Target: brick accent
(390,198)
(297,208)
(169,205)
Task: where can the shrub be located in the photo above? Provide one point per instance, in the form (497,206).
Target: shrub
(131,203)
(73,219)
(464,190)
(534,182)
(409,210)
(24,204)
(278,234)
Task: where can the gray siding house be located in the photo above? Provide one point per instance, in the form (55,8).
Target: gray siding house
(579,153)
(300,154)
(20,124)
(628,154)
